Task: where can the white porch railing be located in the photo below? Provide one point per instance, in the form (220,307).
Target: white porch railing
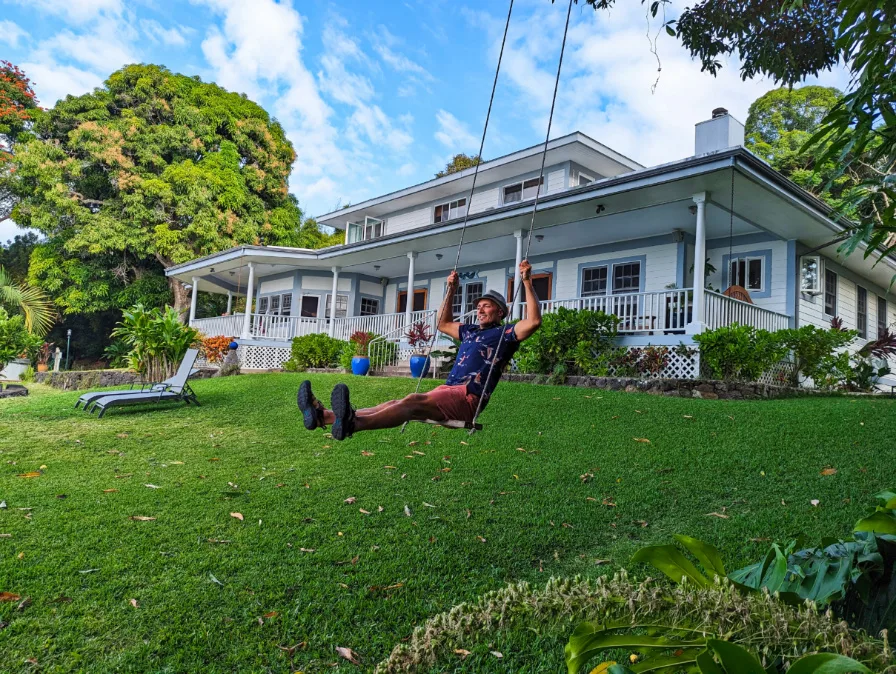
(722,310)
(219,326)
(660,312)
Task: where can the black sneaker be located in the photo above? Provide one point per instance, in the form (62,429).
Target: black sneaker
(312,411)
(344,426)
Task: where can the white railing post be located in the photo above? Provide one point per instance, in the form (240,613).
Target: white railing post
(518,296)
(193,299)
(409,305)
(333,301)
(247,317)
(697,325)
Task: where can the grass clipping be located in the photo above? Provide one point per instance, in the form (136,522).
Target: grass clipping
(758,621)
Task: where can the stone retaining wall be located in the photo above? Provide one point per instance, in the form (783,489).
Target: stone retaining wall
(679,388)
(87,379)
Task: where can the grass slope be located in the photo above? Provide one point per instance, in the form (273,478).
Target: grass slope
(508,504)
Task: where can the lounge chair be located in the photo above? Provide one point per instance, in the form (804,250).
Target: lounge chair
(186,365)
(176,391)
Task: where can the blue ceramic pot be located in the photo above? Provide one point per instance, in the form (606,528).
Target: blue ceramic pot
(360,365)
(419,365)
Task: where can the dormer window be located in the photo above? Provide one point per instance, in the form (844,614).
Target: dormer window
(522,191)
(371,228)
(451,210)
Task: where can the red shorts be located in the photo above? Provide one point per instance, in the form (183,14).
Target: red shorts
(454,402)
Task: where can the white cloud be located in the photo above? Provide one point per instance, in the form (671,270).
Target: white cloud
(106,48)
(407,169)
(76,11)
(608,73)
(454,134)
(53,81)
(173,36)
(11,33)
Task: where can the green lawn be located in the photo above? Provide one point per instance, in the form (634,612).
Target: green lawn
(525,499)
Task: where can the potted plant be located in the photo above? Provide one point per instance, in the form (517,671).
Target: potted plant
(43,357)
(361,359)
(418,338)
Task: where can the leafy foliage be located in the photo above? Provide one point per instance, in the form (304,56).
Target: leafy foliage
(17,108)
(739,352)
(15,338)
(155,167)
(811,346)
(30,301)
(317,351)
(361,341)
(459,162)
(157,340)
(418,335)
(857,575)
(15,253)
(581,341)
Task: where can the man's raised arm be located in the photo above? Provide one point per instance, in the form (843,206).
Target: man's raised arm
(447,324)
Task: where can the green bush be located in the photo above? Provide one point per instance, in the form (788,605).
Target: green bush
(739,352)
(15,340)
(316,351)
(811,347)
(157,340)
(576,339)
(27,377)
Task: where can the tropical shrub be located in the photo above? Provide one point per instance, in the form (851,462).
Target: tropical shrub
(157,340)
(449,354)
(214,349)
(739,352)
(856,575)
(635,362)
(316,350)
(361,342)
(811,346)
(117,354)
(15,340)
(418,336)
(859,371)
(579,340)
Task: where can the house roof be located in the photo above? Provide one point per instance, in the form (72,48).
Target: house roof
(575,146)
(757,173)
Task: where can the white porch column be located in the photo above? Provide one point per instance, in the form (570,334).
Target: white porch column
(697,323)
(229,301)
(409,305)
(193,299)
(333,301)
(247,317)
(517,291)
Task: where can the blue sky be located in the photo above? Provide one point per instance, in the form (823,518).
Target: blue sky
(378,94)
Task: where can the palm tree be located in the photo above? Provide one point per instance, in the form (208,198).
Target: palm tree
(30,301)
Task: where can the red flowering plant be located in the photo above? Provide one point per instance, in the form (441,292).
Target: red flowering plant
(418,337)
(362,340)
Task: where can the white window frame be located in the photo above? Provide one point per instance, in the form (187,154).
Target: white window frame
(862,315)
(369,299)
(836,293)
(302,302)
(263,304)
(523,185)
(455,209)
(812,275)
(286,304)
(610,288)
(607,281)
(465,304)
(882,322)
(371,228)
(588,178)
(747,259)
(340,313)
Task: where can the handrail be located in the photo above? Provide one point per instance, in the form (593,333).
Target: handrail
(723,310)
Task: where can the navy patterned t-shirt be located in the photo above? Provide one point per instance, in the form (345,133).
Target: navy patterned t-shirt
(475,355)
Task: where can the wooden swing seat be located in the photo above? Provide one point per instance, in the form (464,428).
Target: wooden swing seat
(451,423)
(738,293)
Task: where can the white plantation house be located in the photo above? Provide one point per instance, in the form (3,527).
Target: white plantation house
(610,234)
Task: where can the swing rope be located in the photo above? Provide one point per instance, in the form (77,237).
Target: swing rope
(473,426)
(463,230)
(544,154)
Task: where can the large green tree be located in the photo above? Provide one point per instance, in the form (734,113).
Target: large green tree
(779,124)
(151,170)
(459,162)
(788,40)
(17,108)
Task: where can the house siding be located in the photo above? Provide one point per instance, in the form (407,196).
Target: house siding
(777,299)
(660,267)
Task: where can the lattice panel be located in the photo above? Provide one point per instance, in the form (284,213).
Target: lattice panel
(681,365)
(779,375)
(263,357)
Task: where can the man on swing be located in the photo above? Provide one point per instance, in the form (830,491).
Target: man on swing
(459,398)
